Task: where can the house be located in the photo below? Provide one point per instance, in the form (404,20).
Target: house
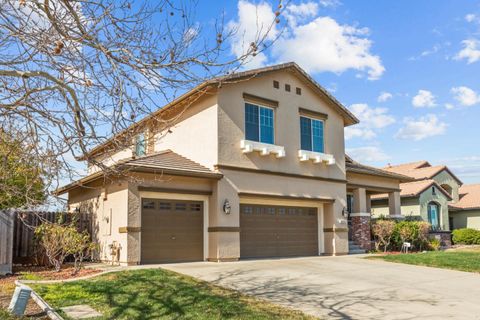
(250,165)
(429,196)
(465,213)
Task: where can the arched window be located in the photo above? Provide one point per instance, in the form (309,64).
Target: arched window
(434,215)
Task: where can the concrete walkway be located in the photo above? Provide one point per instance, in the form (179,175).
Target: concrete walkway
(349,287)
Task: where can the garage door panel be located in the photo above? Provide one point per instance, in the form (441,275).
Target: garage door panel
(172,231)
(277,231)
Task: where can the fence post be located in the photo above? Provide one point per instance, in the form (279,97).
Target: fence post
(6,241)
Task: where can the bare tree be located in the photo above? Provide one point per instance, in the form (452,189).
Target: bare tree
(74,73)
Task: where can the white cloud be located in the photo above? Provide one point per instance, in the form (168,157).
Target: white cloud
(324,45)
(371,121)
(449,106)
(424,98)
(384,96)
(470,51)
(367,154)
(465,96)
(319,44)
(472,18)
(422,128)
(254,22)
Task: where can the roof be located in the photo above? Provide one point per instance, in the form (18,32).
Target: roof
(407,166)
(420,170)
(165,162)
(202,88)
(353,166)
(469,198)
(415,188)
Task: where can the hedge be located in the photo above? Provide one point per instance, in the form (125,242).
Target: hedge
(466,236)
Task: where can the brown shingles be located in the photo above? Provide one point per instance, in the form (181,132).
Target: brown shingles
(469,198)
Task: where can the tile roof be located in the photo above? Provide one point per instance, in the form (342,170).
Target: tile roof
(407,166)
(413,189)
(353,166)
(167,160)
(469,198)
(420,170)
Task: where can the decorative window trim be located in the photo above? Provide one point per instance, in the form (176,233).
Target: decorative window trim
(312,114)
(260,100)
(265,149)
(316,157)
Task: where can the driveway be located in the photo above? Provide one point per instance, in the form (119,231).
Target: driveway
(349,287)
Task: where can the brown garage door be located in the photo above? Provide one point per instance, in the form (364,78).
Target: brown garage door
(172,231)
(277,231)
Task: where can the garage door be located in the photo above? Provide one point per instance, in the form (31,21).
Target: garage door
(172,231)
(277,231)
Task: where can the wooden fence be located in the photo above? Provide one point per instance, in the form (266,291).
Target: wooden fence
(25,248)
(6,241)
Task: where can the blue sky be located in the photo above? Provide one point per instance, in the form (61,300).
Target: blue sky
(410,70)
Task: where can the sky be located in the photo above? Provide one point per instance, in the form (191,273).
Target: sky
(409,70)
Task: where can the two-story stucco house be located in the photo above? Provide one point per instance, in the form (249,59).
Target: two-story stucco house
(254,166)
(435,188)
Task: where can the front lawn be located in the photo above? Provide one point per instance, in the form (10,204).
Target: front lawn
(462,260)
(160,294)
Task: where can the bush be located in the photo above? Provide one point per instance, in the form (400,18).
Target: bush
(434,244)
(415,232)
(60,241)
(466,236)
(382,231)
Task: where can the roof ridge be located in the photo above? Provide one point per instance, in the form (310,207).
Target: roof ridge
(406,164)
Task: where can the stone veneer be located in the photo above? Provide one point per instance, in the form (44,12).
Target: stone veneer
(445,237)
(361,234)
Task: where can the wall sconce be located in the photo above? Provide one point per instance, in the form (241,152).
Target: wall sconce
(226,207)
(345,212)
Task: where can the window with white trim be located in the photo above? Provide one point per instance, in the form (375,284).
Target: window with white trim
(312,134)
(259,123)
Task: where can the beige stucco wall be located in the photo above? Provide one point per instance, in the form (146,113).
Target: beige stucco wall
(194,133)
(410,207)
(446,178)
(466,219)
(231,123)
(372,182)
(108,206)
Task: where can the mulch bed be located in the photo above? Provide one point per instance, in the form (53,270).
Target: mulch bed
(7,285)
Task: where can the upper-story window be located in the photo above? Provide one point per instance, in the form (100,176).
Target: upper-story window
(140,145)
(259,123)
(311,134)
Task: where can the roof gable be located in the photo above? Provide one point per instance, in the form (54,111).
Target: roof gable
(469,198)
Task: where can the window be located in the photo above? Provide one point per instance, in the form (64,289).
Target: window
(140,144)
(311,134)
(287,87)
(434,192)
(276,84)
(259,123)
(434,215)
(298,90)
(350,203)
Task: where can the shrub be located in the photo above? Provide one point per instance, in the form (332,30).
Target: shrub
(382,231)
(415,232)
(466,236)
(434,244)
(60,241)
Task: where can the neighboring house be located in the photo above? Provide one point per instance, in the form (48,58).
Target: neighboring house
(434,188)
(465,213)
(254,166)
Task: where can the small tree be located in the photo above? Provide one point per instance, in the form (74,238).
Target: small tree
(383,231)
(54,239)
(79,246)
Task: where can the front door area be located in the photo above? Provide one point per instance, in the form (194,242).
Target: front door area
(172,231)
(278,231)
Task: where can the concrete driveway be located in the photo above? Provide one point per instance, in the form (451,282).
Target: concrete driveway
(349,287)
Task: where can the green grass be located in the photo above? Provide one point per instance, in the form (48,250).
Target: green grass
(160,294)
(30,276)
(457,260)
(5,315)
